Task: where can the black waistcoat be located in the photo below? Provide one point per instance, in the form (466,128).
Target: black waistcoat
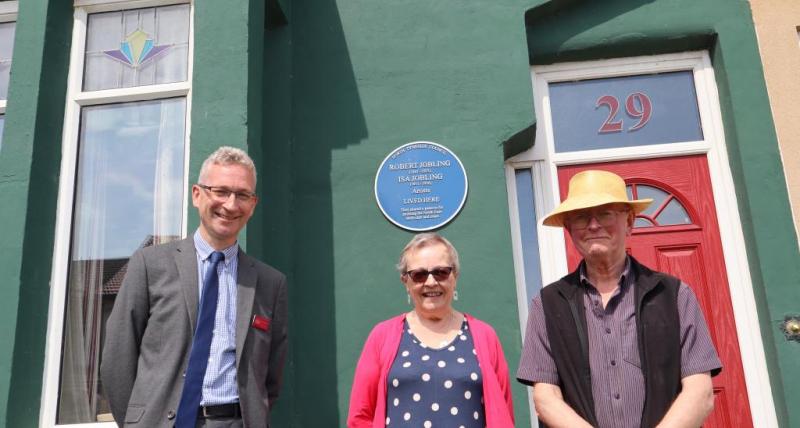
(658,336)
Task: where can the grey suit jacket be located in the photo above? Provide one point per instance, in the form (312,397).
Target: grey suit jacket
(149,336)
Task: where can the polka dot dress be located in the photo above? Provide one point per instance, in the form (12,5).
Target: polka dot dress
(432,388)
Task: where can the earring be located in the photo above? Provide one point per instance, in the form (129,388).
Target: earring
(455,294)
(408,298)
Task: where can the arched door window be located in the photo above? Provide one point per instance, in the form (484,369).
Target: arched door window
(666,209)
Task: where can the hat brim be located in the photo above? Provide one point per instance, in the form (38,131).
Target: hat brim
(556,218)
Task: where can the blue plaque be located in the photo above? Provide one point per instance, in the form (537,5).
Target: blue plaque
(421,186)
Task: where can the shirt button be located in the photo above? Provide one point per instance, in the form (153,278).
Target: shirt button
(608,330)
(616,396)
(613,362)
(170,415)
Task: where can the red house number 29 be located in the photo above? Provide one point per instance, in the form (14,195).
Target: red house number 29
(637,105)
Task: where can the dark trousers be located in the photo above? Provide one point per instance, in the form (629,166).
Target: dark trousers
(219,423)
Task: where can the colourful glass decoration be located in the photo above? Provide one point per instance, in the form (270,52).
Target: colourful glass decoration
(137,49)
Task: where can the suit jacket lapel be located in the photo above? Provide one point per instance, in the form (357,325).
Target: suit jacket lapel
(186,260)
(245,294)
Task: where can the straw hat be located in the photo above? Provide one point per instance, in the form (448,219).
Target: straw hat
(592,188)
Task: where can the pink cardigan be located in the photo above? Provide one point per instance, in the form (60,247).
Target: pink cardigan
(368,397)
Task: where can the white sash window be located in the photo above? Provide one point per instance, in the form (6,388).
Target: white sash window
(123,181)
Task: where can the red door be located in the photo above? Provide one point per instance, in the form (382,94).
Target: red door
(679,234)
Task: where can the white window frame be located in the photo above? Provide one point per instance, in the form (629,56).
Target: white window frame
(8,13)
(543,161)
(76,100)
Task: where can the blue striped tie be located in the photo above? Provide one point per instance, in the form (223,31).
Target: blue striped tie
(201,346)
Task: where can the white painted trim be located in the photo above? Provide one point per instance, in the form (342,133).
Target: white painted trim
(628,153)
(554,259)
(76,99)
(8,11)
(566,71)
(188,124)
(544,162)
(138,93)
(96,6)
(743,300)
(519,270)
(66,189)
(7,7)
(516,247)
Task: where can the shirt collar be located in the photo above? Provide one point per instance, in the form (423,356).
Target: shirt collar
(204,249)
(622,278)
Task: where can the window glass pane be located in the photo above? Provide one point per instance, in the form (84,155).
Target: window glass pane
(673,213)
(137,47)
(642,222)
(129,194)
(624,111)
(529,234)
(6,48)
(656,194)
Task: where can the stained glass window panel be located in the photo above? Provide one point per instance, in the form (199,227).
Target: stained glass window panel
(6,49)
(137,47)
(128,194)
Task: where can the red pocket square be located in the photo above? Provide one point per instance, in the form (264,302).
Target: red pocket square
(261,323)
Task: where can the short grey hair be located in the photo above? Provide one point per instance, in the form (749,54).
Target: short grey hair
(227,155)
(422,240)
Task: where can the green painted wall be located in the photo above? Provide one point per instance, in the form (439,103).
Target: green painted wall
(581,30)
(319,92)
(277,175)
(367,77)
(29,169)
(226,95)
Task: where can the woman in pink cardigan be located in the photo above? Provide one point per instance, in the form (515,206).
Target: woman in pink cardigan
(433,366)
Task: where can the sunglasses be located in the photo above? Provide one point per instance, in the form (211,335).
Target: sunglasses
(421,275)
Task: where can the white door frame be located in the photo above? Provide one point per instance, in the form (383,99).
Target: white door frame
(544,161)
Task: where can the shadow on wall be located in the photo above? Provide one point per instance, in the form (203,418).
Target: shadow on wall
(556,29)
(311,107)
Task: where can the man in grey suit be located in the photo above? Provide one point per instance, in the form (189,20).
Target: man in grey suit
(197,335)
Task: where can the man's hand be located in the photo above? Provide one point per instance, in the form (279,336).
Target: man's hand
(693,404)
(553,410)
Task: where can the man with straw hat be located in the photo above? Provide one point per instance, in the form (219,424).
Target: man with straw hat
(614,343)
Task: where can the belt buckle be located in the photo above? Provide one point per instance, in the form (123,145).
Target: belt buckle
(205,412)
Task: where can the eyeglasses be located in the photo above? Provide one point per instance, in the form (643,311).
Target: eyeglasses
(605,218)
(421,275)
(222,194)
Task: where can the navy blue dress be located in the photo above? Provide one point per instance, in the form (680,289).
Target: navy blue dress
(435,388)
